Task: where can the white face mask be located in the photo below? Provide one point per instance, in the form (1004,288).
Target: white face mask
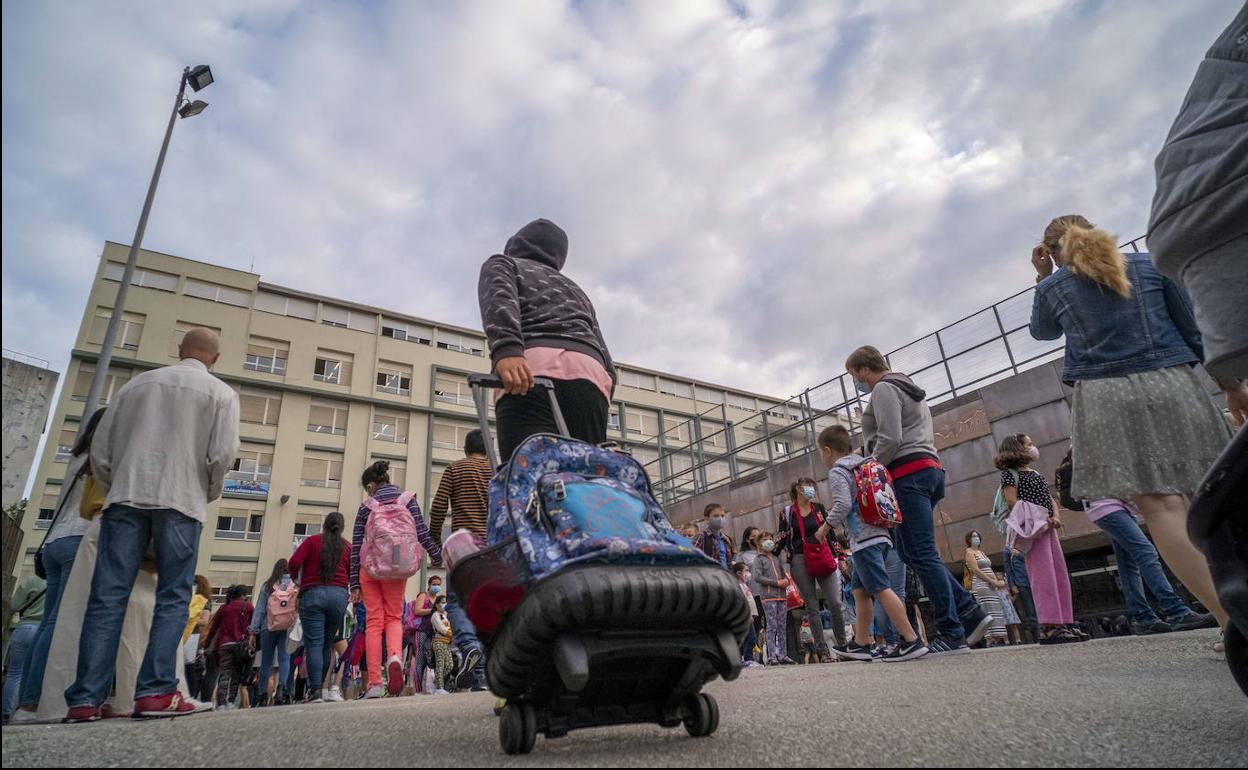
(746,576)
(975,542)
(769,545)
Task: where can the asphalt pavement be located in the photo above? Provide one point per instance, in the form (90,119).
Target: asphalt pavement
(1165,701)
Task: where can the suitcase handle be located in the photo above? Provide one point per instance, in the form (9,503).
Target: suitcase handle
(481,384)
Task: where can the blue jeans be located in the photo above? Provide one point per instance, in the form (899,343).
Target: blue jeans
(896,569)
(918,494)
(270,642)
(58,560)
(1138,566)
(19,653)
(465,632)
(321,609)
(125,533)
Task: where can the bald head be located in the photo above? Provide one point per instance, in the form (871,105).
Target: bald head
(201,344)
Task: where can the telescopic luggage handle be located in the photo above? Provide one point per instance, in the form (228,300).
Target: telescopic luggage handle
(481,384)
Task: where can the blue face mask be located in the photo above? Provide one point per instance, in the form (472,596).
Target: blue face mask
(809,492)
(861,386)
(435,590)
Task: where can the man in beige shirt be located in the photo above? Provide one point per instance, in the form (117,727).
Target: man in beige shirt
(162,451)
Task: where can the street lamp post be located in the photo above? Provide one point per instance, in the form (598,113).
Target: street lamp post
(197,77)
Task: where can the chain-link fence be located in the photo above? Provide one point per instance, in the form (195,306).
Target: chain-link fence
(728,441)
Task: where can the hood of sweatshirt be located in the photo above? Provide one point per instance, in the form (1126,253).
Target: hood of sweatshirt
(850,462)
(541,241)
(905,385)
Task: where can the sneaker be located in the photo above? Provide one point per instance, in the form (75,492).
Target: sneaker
(1150,629)
(977,625)
(472,659)
(888,650)
(440,692)
(479,688)
(374,692)
(1193,621)
(222,708)
(314,696)
(108,712)
(162,706)
(855,651)
(943,645)
(82,714)
(907,651)
(334,695)
(394,676)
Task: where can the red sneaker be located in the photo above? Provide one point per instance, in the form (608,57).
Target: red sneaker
(394,677)
(162,706)
(81,714)
(108,712)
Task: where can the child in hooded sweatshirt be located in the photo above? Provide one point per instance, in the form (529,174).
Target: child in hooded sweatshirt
(870,546)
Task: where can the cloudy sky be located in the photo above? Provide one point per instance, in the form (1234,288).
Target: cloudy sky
(751,187)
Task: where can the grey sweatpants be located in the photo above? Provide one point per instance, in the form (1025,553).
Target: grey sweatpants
(831,585)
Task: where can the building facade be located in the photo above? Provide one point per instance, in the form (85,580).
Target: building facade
(326,387)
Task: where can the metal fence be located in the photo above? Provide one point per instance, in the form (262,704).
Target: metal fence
(728,442)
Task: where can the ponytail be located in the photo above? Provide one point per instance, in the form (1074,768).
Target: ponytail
(378,473)
(331,546)
(1094,254)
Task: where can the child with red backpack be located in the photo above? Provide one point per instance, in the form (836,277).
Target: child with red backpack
(276,610)
(385,552)
(863,501)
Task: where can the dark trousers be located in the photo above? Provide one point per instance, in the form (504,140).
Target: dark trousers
(1026,608)
(519,417)
(747,646)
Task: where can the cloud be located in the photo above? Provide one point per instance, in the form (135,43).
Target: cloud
(751,188)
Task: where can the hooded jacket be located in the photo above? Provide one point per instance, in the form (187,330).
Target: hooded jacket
(526,302)
(844,510)
(897,424)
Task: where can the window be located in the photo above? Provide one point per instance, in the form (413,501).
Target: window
(450,435)
(435,478)
(636,379)
(408,332)
(333,368)
(65,443)
(613,419)
(129,330)
(179,331)
(708,395)
(280,304)
(460,343)
(321,470)
(394,378)
(680,463)
(259,407)
(713,434)
(645,455)
(389,426)
(677,433)
(673,388)
(148,279)
(239,524)
(450,389)
(215,292)
(306,525)
(113,382)
(642,422)
(221,587)
(781,447)
(267,356)
(47,507)
(360,320)
(717,472)
(745,403)
(398,472)
(328,417)
(254,465)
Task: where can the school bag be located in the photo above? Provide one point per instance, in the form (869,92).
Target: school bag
(877,500)
(282,609)
(391,549)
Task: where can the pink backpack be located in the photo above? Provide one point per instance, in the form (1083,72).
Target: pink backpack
(282,609)
(391,550)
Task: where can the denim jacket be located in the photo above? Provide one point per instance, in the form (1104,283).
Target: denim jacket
(1109,336)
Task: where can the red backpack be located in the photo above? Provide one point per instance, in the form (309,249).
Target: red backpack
(877,500)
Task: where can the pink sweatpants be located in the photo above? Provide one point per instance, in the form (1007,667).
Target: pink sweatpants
(1050,582)
(383,609)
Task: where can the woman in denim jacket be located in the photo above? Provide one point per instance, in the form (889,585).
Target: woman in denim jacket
(1144,426)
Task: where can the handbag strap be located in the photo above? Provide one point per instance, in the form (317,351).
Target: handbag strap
(61,506)
(36,596)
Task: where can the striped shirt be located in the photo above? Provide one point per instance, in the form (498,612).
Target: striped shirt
(388,494)
(465,489)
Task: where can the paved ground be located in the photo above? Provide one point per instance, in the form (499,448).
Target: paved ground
(1161,701)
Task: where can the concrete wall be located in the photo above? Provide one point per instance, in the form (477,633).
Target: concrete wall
(27,399)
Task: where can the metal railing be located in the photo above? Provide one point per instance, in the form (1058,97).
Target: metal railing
(713,448)
(39,363)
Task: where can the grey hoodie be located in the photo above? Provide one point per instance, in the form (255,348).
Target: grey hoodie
(897,423)
(768,570)
(844,513)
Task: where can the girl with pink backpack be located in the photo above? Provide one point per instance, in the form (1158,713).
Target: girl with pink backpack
(386,550)
(277,608)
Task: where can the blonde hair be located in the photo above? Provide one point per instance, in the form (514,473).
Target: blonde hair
(1088,251)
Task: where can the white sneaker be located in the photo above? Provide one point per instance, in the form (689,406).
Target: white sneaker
(334,695)
(374,692)
(22,715)
(440,692)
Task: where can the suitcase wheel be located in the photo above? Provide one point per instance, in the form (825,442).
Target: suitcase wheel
(700,714)
(517,728)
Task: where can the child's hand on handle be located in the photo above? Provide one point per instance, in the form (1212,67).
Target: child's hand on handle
(515,374)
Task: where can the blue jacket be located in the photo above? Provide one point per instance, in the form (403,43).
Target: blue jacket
(1109,336)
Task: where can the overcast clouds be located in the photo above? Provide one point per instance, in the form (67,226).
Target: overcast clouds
(735,177)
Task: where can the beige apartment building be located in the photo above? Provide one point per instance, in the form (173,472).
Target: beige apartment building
(328,386)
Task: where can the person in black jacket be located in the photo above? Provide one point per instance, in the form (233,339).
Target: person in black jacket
(540,323)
